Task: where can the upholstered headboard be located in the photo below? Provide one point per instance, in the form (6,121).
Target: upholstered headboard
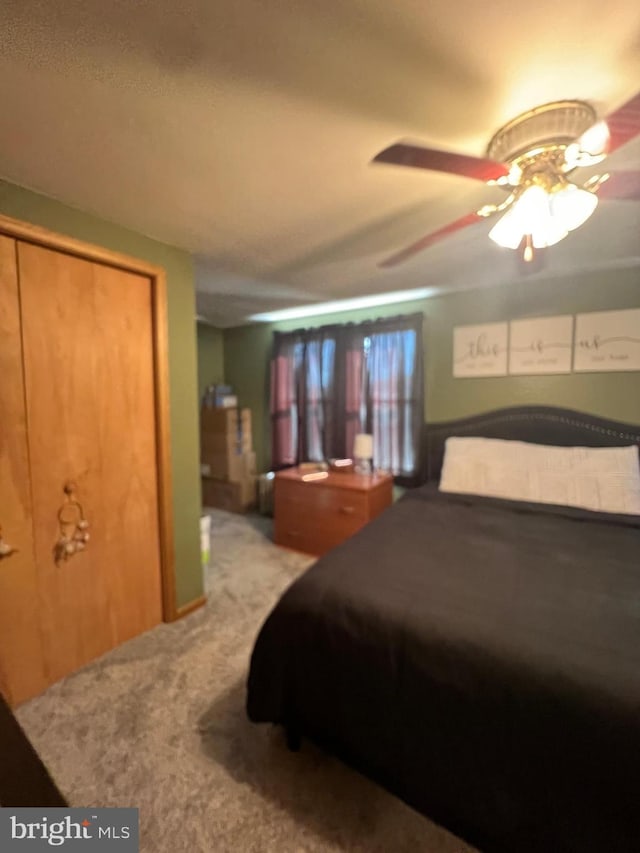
(539,424)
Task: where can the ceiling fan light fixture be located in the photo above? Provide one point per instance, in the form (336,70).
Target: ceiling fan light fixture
(530,214)
(530,159)
(541,146)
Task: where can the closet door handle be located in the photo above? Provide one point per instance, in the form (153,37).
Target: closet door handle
(6,550)
(347,510)
(73,526)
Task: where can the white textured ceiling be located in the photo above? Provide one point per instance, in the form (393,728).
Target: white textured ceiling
(242,130)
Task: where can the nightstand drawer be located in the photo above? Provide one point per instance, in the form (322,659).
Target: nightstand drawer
(314,534)
(307,499)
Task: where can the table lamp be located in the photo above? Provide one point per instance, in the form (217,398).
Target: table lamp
(363,453)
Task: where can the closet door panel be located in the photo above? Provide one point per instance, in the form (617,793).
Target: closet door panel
(61,367)
(127,434)
(89,387)
(22,672)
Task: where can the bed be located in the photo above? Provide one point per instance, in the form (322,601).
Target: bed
(24,780)
(478,657)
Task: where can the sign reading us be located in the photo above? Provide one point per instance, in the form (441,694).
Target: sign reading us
(607,340)
(480,350)
(541,345)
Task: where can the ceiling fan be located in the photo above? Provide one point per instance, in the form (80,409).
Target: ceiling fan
(533,159)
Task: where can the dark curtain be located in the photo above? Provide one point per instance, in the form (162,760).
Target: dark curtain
(355,382)
(330,383)
(288,351)
(384,379)
(306,408)
(319,416)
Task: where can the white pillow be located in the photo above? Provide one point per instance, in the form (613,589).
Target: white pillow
(605,479)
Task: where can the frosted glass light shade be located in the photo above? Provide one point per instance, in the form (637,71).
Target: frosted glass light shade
(507,232)
(363,446)
(572,206)
(530,214)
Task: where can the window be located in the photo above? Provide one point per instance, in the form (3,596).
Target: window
(329,384)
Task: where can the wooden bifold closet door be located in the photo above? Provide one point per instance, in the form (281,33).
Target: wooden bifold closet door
(80,409)
(22,671)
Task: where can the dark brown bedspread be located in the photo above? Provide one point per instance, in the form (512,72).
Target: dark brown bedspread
(481,659)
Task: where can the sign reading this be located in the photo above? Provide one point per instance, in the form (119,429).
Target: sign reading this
(480,350)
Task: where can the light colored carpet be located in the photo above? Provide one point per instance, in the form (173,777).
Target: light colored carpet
(159,723)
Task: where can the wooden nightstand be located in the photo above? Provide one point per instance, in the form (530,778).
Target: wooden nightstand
(317,515)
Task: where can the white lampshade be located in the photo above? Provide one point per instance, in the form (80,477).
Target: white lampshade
(572,206)
(363,446)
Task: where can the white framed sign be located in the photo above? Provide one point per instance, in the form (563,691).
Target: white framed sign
(480,350)
(541,345)
(607,340)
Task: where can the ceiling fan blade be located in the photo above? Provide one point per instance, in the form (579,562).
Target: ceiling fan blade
(621,185)
(624,123)
(430,239)
(404,154)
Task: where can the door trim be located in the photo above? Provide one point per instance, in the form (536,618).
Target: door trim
(69,245)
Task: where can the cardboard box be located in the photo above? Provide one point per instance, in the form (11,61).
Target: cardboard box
(226,421)
(248,491)
(233,497)
(224,442)
(230,466)
(250,463)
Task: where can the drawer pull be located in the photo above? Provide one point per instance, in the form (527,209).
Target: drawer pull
(293,533)
(347,510)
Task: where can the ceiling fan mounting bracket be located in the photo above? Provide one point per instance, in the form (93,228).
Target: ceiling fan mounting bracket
(543,132)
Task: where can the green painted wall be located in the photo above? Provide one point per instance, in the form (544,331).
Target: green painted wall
(39,210)
(613,395)
(210,357)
